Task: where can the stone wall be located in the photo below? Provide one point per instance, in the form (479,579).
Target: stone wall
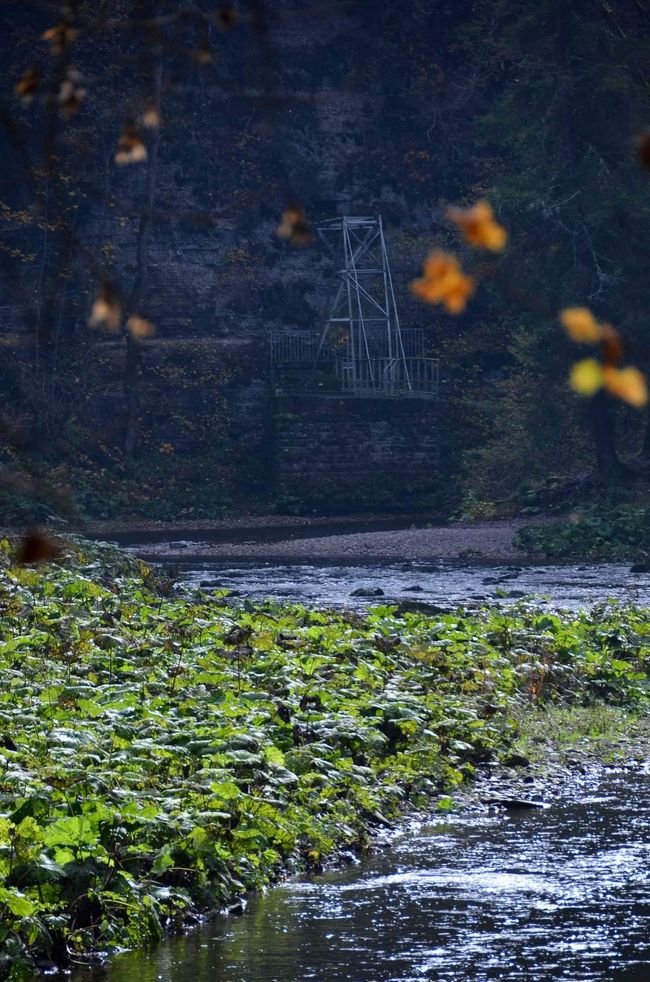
(337,453)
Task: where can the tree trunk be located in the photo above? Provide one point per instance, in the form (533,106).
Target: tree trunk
(610,467)
(133,348)
(645,446)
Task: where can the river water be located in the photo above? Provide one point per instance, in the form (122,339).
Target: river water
(438,583)
(560,893)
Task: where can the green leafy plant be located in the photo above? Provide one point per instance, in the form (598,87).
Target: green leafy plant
(619,532)
(162,755)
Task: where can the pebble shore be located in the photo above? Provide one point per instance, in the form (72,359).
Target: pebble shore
(493,540)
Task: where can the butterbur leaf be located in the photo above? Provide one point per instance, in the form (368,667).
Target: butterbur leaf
(479,226)
(162,862)
(75,832)
(586,377)
(37,547)
(628,384)
(581,325)
(18,903)
(273,755)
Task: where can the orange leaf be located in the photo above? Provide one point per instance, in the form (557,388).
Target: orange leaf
(612,345)
(628,384)
(294,225)
(130,147)
(444,282)
(581,325)
(479,226)
(106,311)
(139,327)
(27,86)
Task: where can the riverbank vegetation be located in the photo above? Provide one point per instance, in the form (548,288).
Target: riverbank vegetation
(162,753)
(594,533)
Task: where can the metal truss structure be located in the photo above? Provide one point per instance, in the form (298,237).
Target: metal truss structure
(361,349)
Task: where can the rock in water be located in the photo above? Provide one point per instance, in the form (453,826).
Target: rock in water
(514,804)
(516,760)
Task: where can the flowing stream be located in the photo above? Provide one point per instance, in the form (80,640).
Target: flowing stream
(560,893)
(556,893)
(436,583)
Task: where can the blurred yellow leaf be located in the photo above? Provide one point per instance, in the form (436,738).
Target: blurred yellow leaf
(150,118)
(139,327)
(106,311)
(294,225)
(628,384)
(479,226)
(130,147)
(586,377)
(581,325)
(444,282)
(59,37)
(27,86)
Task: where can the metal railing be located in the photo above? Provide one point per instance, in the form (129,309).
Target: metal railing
(392,376)
(290,347)
(298,364)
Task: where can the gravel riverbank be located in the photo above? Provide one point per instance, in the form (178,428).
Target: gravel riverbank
(494,540)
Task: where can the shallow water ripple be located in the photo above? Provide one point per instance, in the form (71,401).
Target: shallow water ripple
(444,583)
(556,894)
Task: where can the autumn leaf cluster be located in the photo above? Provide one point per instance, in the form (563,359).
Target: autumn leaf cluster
(444,282)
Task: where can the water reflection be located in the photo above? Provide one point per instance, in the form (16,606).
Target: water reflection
(558,894)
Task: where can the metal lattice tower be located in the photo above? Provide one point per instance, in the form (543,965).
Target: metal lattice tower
(361,349)
(363,318)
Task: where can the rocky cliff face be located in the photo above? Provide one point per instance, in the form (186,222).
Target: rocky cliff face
(336,105)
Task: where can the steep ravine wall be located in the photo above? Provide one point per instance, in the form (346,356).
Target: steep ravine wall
(350,134)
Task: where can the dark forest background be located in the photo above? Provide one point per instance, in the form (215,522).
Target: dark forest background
(395,108)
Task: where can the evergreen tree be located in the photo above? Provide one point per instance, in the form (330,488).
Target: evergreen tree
(565,93)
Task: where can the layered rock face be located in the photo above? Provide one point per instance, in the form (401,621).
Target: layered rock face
(334,105)
(330,107)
